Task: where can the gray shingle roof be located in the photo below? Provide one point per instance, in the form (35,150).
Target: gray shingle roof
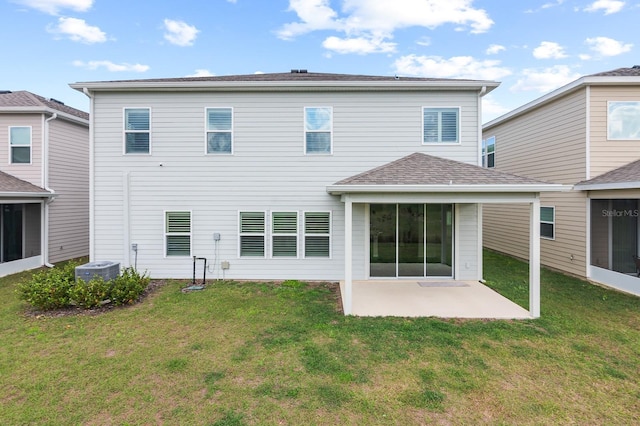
(620,72)
(627,173)
(9,183)
(24,98)
(423,169)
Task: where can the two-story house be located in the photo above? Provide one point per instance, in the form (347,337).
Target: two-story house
(44,182)
(295,176)
(587,135)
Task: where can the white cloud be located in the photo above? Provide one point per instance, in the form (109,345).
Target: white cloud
(53,7)
(605,46)
(78,30)
(544,80)
(359,45)
(494,49)
(180,33)
(424,41)
(549,50)
(110,66)
(373,22)
(609,6)
(455,67)
(491,108)
(201,73)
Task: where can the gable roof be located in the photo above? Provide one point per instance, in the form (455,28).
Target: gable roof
(11,186)
(620,76)
(625,177)
(420,172)
(296,79)
(24,101)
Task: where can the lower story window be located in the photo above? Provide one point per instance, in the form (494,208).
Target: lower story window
(284,234)
(252,232)
(317,234)
(178,233)
(547,222)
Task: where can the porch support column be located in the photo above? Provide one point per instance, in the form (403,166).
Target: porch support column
(534,258)
(348,255)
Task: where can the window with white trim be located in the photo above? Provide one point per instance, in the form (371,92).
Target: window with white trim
(20,145)
(318,125)
(317,234)
(177,233)
(284,234)
(137,130)
(623,120)
(219,130)
(252,234)
(440,125)
(489,152)
(547,222)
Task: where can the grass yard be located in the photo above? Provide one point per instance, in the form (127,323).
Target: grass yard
(281,354)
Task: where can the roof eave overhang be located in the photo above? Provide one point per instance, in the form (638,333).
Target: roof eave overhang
(475,189)
(22,195)
(606,186)
(43,110)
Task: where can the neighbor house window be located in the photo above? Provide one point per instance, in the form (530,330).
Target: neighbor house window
(20,145)
(284,234)
(178,233)
(252,234)
(623,120)
(137,130)
(547,222)
(489,152)
(440,125)
(318,123)
(219,130)
(317,234)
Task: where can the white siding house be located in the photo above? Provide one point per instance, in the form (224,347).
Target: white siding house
(274,176)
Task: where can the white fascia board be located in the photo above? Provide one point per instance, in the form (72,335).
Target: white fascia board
(346,189)
(606,186)
(6,197)
(44,110)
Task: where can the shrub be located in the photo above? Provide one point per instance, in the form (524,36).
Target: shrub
(128,287)
(49,289)
(89,294)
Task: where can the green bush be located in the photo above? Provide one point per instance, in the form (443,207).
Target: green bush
(57,288)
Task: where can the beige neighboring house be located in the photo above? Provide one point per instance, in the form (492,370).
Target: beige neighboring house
(44,182)
(585,134)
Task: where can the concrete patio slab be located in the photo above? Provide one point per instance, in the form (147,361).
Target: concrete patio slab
(425,298)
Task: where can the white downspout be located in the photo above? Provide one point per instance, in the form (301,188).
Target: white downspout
(45,182)
(91,178)
(480,95)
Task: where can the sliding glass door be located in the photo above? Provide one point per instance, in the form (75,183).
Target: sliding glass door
(411,240)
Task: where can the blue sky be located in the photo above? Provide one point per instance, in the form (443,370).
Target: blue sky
(532,47)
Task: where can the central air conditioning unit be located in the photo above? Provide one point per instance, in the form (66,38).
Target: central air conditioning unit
(106,270)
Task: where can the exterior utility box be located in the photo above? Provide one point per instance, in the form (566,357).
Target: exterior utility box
(106,270)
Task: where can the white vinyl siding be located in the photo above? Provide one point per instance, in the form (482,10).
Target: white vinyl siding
(284,234)
(252,234)
(317,234)
(547,222)
(20,145)
(219,130)
(318,125)
(440,125)
(623,120)
(137,130)
(178,233)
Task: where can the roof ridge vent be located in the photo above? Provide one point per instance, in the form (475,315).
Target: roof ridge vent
(56,101)
(5,92)
(301,71)
(636,67)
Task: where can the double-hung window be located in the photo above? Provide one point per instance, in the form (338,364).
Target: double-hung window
(252,234)
(440,125)
(137,130)
(219,130)
(318,128)
(623,120)
(284,234)
(20,145)
(547,222)
(178,233)
(489,152)
(317,234)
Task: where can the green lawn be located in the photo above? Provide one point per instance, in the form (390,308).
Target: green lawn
(278,354)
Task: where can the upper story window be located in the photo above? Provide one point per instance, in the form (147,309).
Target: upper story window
(548,222)
(20,145)
(177,233)
(489,152)
(318,125)
(623,120)
(219,130)
(440,125)
(137,130)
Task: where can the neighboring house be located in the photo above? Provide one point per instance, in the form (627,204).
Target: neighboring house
(584,134)
(294,176)
(44,182)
